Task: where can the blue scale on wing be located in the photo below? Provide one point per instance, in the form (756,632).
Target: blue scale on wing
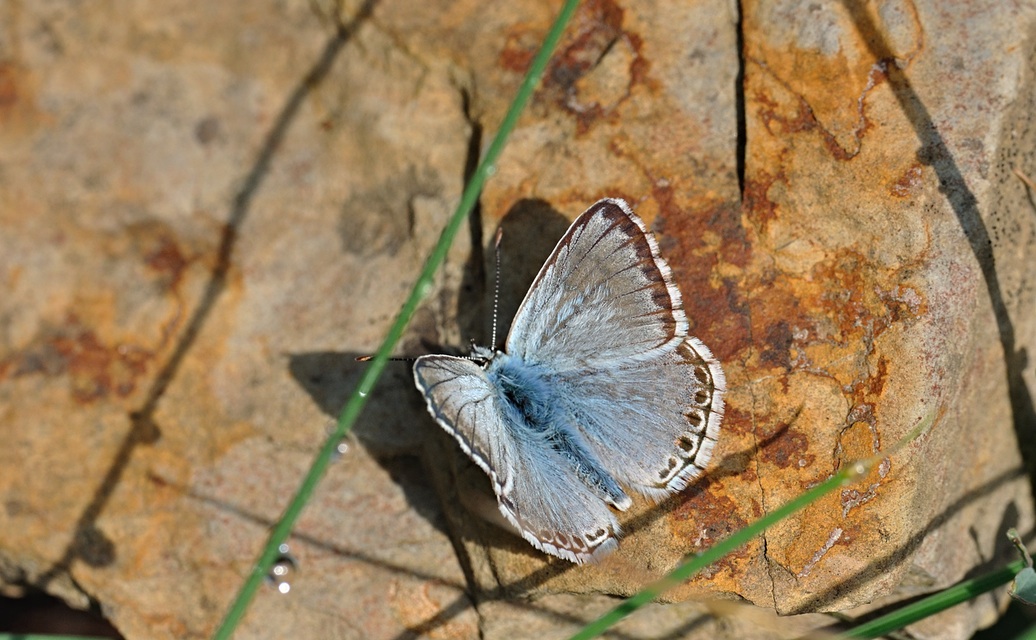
(530,406)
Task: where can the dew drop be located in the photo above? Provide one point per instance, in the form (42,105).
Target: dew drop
(363,394)
(282,569)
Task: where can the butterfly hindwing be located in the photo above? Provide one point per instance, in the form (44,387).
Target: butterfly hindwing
(603,297)
(538,492)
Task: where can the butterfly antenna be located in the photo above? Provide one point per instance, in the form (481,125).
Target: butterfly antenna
(369,358)
(496,285)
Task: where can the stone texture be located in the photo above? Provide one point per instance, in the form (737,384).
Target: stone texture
(193,212)
(209,211)
(559,616)
(870,190)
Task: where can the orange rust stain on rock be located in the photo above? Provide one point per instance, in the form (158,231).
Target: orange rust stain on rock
(854,300)
(756,197)
(713,516)
(909,183)
(733,323)
(769,111)
(164,256)
(739,423)
(778,316)
(777,345)
(640,66)
(736,456)
(815,322)
(844,299)
(871,387)
(903,304)
(859,440)
(18,102)
(803,121)
(9,91)
(722,309)
(684,229)
(595,27)
(688,226)
(788,449)
(95,370)
(519,49)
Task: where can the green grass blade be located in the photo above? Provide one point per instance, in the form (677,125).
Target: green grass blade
(934,603)
(421,288)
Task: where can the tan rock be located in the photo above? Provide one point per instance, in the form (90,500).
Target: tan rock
(208,211)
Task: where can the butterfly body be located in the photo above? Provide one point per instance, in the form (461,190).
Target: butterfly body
(599,388)
(533,403)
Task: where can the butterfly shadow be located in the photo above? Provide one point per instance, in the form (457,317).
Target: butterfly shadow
(528,233)
(392,427)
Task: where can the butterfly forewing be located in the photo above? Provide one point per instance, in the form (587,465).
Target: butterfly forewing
(534,487)
(603,297)
(463,402)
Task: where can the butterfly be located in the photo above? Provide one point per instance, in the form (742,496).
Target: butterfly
(599,391)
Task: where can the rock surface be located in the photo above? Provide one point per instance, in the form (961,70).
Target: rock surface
(208,211)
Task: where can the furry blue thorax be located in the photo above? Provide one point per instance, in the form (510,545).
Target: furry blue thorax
(535,406)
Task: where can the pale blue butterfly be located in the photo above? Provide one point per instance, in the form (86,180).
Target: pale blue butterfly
(599,388)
